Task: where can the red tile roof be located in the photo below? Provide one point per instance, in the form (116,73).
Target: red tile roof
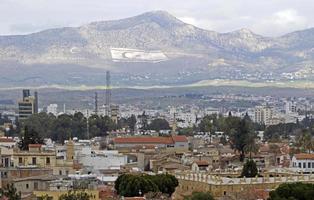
(144,140)
(202,163)
(179,138)
(150,140)
(304,156)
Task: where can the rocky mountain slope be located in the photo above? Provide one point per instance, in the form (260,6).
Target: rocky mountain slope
(154,48)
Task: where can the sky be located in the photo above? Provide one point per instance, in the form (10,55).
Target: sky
(265,17)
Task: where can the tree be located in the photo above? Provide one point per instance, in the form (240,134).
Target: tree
(249,169)
(304,140)
(166,183)
(73,195)
(291,191)
(100,125)
(144,121)
(10,192)
(63,128)
(239,137)
(135,185)
(29,137)
(200,196)
(250,145)
(132,123)
(79,127)
(159,124)
(42,123)
(206,124)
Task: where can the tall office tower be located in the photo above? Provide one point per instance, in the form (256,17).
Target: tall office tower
(27,106)
(26,93)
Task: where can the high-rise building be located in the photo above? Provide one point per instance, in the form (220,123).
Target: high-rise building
(290,107)
(263,114)
(28,105)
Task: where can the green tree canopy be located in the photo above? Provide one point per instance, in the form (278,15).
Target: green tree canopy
(249,169)
(29,137)
(159,124)
(293,191)
(132,123)
(130,185)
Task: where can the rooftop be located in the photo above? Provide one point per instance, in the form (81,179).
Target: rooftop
(150,140)
(304,156)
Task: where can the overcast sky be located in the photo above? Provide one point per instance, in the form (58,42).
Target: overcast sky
(266,17)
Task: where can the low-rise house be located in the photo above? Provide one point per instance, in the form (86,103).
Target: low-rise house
(303,162)
(200,166)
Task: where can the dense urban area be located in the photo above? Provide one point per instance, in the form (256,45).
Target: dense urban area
(241,147)
(156,100)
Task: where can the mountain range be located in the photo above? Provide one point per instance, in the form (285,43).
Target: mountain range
(153,48)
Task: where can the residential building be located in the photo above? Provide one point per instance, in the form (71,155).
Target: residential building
(263,115)
(303,162)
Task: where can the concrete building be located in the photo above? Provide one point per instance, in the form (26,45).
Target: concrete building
(96,160)
(28,105)
(263,115)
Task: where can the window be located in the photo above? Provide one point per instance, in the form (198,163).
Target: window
(34,161)
(312,164)
(27,186)
(20,160)
(308,165)
(60,172)
(299,165)
(304,165)
(48,161)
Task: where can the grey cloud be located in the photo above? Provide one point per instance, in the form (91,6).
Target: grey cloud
(267,17)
